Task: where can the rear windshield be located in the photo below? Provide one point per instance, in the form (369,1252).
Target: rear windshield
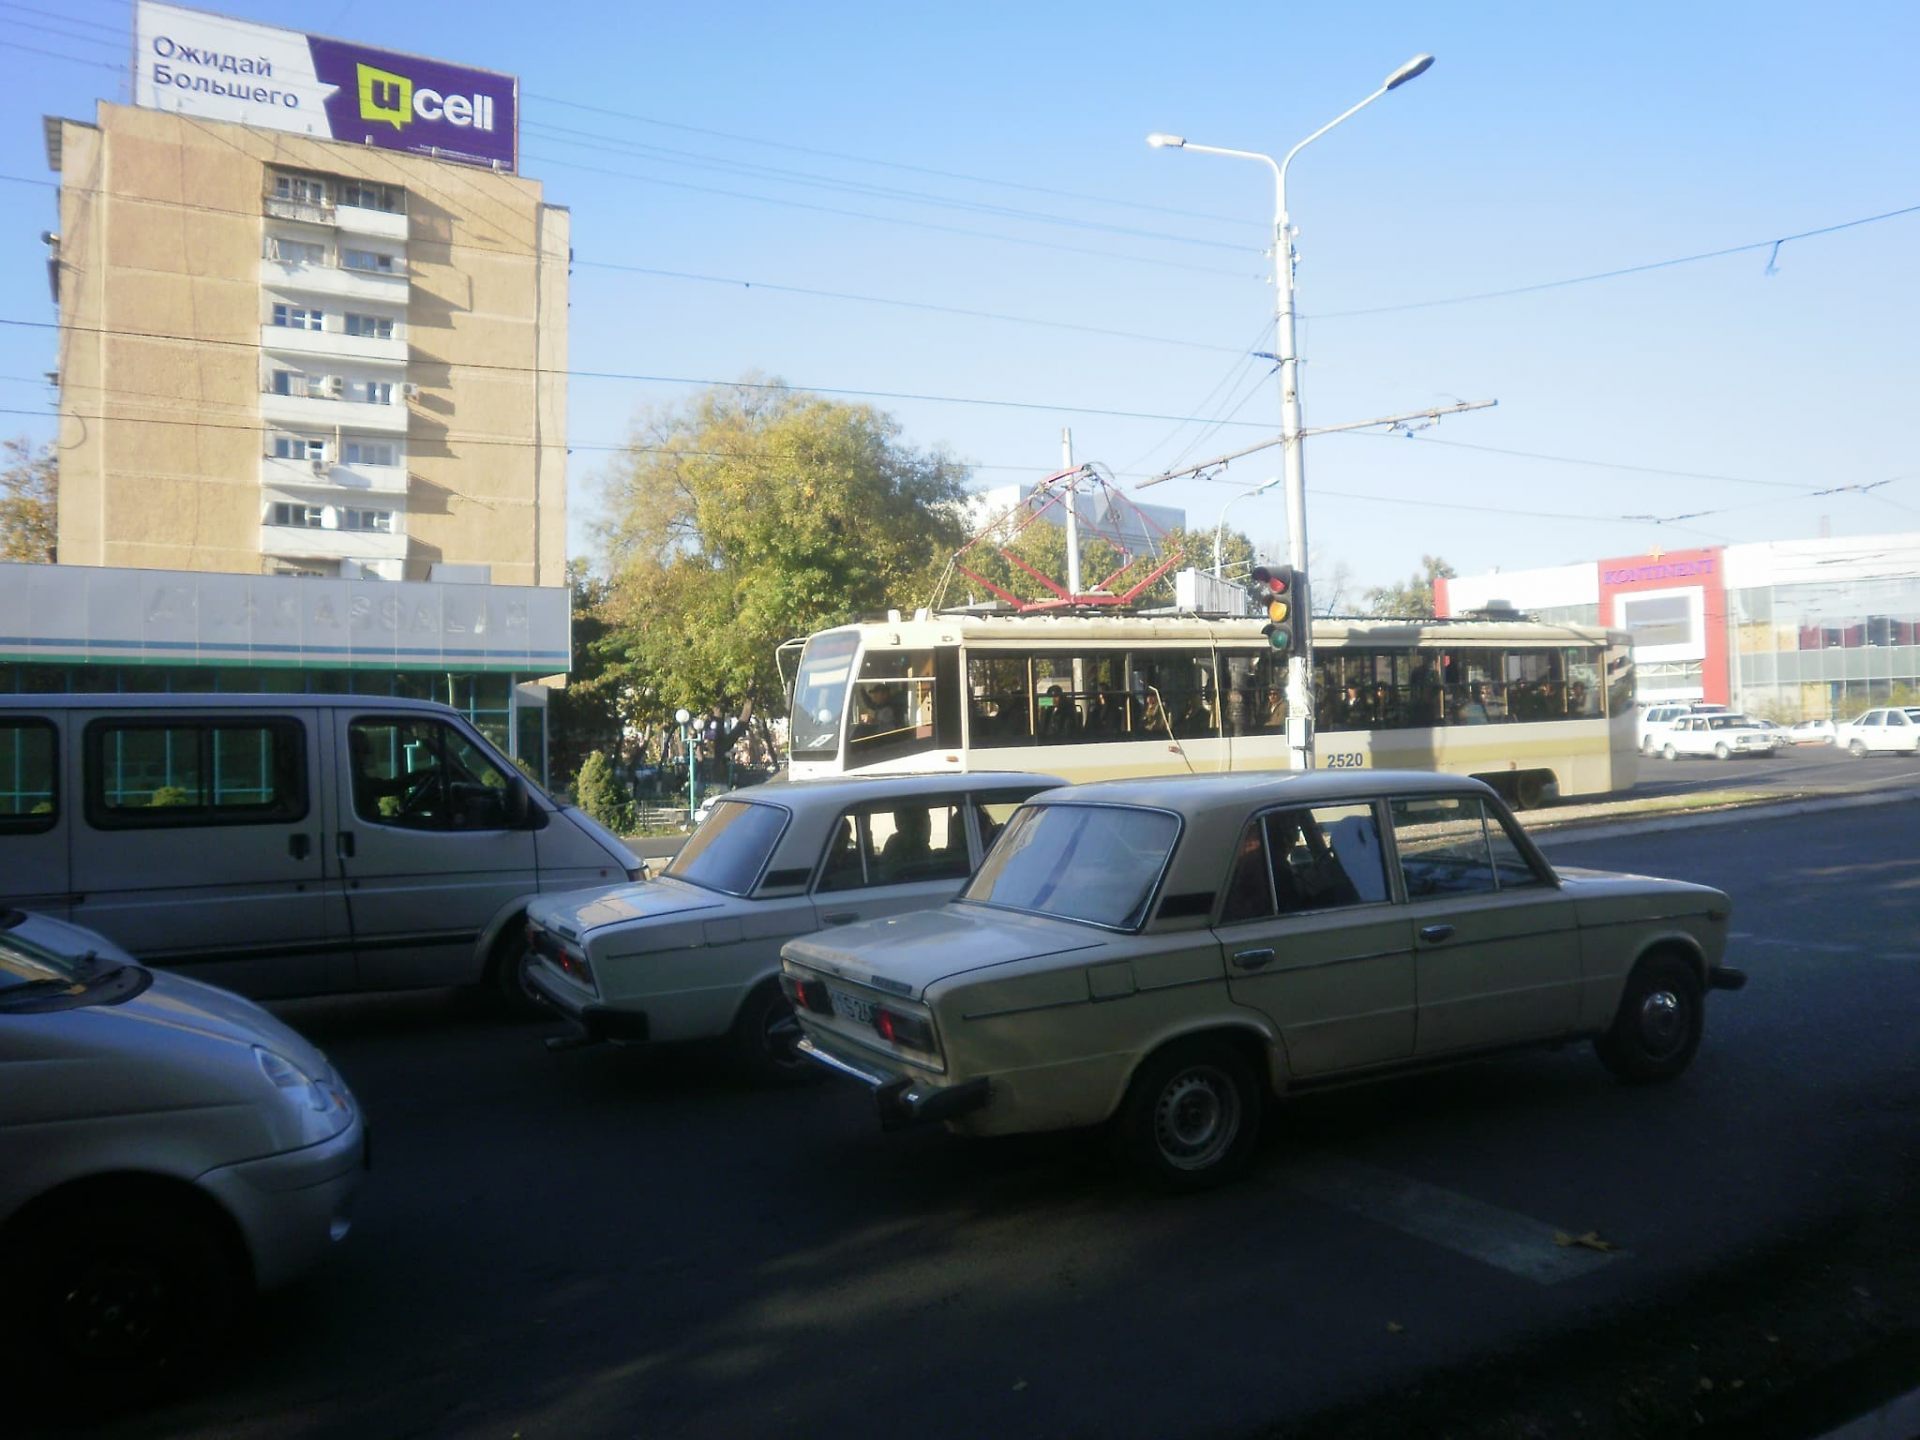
(731,847)
(1097,863)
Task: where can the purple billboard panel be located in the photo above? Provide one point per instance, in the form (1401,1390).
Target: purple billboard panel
(224,69)
(399,102)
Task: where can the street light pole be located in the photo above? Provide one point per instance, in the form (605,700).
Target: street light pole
(685,717)
(1221,525)
(1300,663)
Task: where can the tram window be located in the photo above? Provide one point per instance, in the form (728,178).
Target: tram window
(891,712)
(1254,689)
(999,703)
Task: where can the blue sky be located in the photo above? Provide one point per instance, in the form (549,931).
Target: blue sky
(1548,142)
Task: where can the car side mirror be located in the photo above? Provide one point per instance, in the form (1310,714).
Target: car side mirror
(519,804)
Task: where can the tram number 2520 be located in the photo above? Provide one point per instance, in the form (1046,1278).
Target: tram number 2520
(1345,760)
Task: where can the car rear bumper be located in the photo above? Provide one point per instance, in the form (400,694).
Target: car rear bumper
(902,1100)
(593,1022)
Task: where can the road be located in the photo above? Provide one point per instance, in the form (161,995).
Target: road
(605,1242)
(1816,768)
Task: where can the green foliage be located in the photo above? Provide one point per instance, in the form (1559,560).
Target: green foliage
(600,791)
(1413,600)
(746,517)
(29,493)
(586,715)
(167,795)
(1042,545)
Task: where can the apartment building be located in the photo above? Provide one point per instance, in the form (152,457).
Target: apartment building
(285,354)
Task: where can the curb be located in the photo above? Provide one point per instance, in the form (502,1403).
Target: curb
(1573,831)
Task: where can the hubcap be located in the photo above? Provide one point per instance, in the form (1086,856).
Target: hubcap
(114,1311)
(1663,1023)
(1197,1118)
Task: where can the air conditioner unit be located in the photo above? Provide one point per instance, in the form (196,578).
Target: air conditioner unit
(410,391)
(336,386)
(320,465)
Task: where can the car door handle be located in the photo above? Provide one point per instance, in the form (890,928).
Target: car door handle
(844,917)
(299,846)
(1434,934)
(1252,959)
(343,844)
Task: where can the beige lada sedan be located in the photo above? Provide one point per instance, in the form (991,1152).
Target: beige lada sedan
(1161,955)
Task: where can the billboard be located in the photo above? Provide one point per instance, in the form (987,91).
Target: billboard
(197,63)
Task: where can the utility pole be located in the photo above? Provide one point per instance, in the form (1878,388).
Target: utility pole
(1073,512)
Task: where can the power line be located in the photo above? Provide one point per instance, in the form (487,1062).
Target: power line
(770,386)
(1774,244)
(1600,464)
(594,140)
(886,164)
(117,30)
(57,55)
(79,36)
(882,219)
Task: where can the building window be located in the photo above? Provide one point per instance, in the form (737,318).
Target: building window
(375,520)
(299,447)
(299,317)
(289,382)
(301,517)
(367,452)
(295,252)
(366,195)
(367,327)
(372,260)
(302,189)
(378,392)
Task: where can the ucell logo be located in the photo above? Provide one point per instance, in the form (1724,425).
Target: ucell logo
(391,99)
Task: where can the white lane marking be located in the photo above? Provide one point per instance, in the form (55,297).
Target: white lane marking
(1516,1243)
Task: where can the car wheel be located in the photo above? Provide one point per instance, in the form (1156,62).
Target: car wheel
(1720,750)
(1658,1026)
(1192,1116)
(511,962)
(1671,753)
(119,1301)
(1857,749)
(766,1039)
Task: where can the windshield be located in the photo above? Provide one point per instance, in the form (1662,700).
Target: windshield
(1097,863)
(731,847)
(820,692)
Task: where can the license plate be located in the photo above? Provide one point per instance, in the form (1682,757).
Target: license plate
(850,1008)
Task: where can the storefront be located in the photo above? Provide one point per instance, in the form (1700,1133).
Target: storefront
(1789,629)
(483,649)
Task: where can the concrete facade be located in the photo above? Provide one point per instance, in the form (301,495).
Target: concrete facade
(287,355)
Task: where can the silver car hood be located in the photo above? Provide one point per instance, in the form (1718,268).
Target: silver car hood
(573,915)
(187,1005)
(906,954)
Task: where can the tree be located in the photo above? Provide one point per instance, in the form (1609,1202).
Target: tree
(599,790)
(748,516)
(585,716)
(29,494)
(1413,600)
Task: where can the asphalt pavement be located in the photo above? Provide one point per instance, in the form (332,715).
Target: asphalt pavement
(607,1242)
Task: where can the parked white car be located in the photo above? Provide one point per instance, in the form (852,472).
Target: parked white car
(695,953)
(1656,720)
(1893,728)
(164,1146)
(1812,732)
(1161,955)
(1721,736)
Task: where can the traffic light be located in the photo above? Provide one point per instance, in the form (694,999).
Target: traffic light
(1276,591)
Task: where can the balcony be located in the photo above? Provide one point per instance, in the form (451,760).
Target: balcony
(306,212)
(298,542)
(376,224)
(319,412)
(332,345)
(298,281)
(332,484)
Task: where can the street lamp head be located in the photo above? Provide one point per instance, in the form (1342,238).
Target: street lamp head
(1414,68)
(1170,142)
(682,716)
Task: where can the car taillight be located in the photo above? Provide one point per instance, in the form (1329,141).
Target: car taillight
(907,1031)
(808,994)
(571,963)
